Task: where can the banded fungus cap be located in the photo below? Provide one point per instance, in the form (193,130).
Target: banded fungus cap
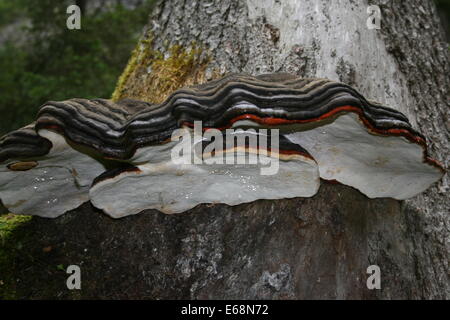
(123,148)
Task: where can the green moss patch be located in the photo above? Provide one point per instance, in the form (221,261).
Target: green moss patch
(152,75)
(12,242)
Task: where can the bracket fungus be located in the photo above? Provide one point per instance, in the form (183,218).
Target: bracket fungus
(231,174)
(42,174)
(122,156)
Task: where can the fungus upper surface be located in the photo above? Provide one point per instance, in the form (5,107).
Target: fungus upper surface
(118,154)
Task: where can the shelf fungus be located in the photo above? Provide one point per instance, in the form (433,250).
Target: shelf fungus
(232,140)
(42,174)
(229,173)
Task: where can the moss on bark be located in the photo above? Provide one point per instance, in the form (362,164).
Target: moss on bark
(152,75)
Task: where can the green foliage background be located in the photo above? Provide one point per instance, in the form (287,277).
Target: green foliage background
(56,63)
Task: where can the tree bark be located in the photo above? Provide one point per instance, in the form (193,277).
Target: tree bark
(302,248)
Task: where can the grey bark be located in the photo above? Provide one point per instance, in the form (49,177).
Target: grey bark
(310,248)
(404,65)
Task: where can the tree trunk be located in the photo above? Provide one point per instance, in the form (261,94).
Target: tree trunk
(303,248)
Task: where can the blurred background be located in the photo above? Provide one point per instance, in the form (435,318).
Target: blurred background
(42,60)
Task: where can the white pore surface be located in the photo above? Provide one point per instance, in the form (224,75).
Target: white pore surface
(378,166)
(173,188)
(59,183)
(154,153)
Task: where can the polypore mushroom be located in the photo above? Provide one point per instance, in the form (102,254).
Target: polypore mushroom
(223,175)
(111,130)
(356,142)
(42,175)
(379,163)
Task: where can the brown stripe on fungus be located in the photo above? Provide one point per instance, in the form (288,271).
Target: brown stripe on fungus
(285,150)
(115,172)
(22,166)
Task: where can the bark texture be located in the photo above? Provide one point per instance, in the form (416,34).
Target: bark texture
(318,247)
